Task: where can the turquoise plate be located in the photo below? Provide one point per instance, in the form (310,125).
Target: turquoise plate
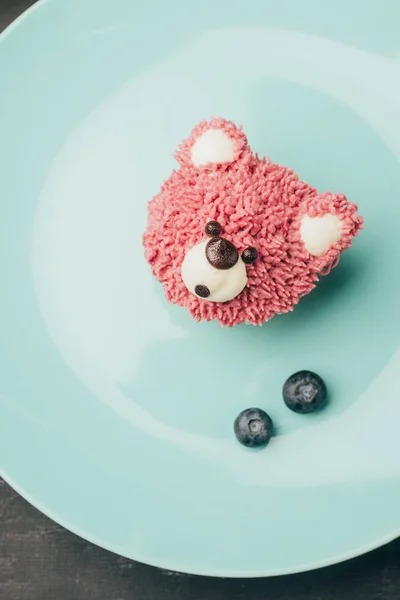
(115,416)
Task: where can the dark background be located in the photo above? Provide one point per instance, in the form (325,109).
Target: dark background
(41,561)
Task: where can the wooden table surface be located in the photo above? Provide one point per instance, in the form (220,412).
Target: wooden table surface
(41,561)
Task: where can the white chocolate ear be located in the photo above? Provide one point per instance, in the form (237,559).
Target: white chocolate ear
(320,233)
(213,147)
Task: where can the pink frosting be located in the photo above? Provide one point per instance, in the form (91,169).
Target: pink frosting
(257,203)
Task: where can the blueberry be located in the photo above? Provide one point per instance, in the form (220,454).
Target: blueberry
(304,392)
(253,428)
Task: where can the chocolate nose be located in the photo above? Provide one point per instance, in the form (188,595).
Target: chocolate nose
(221,254)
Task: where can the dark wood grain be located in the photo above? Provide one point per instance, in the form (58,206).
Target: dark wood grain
(41,561)
(11,9)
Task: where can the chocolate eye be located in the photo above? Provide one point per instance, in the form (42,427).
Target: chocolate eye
(213,228)
(249,256)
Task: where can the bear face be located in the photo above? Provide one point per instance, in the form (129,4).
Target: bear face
(238,238)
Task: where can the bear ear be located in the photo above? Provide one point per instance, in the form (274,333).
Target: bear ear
(212,144)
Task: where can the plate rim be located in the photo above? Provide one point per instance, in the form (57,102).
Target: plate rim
(166,566)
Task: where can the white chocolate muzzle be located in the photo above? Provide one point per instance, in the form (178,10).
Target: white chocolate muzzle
(223,284)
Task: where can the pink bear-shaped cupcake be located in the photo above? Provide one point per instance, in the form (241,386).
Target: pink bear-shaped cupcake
(237,238)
